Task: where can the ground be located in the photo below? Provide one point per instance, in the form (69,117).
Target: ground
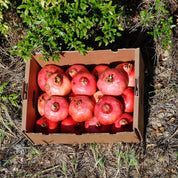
(156,156)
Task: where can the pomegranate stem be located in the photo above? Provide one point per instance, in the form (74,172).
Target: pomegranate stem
(84,81)
(123,122)
(110,78)
(107,108)
(58,79)
(55,106)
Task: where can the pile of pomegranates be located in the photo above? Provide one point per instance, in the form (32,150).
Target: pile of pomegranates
(84,100)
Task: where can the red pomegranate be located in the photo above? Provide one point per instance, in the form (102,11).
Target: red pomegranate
(53,127)
(56,108)
(128,97)
(58,84)
(41,125)
(123,124)
(108,109)
(98,70)
(41,102)
(97,96)
(130,70)
(94,126)
(68,125)
(44,74)
(112,82)
(74,69)
(81,108)
(83,83)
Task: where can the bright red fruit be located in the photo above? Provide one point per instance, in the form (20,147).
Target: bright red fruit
(56,108)
(108,109)
(128,96)
(97,96)
(41,125)
(130,70)
(81,108)
(74,69)
(41,102)
(123,124)
(58,84)
(68,125)
(44,74)
(53,127)
(94,126)
(98,70)
(112,82)
(83,83)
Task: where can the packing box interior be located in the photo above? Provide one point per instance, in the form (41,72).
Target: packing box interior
(31,92)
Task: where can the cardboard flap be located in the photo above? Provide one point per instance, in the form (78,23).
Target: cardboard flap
(138,123)
(32,92)
(91,57)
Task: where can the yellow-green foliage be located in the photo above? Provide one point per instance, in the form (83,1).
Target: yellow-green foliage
(3,25)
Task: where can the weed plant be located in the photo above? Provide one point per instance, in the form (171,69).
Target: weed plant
(59,25)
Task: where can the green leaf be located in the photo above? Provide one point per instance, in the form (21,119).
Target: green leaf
(98,38)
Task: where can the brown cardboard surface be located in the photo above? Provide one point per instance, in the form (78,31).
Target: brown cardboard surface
(30,114)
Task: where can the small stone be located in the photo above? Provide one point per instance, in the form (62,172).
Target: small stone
(160,115)
(166,134)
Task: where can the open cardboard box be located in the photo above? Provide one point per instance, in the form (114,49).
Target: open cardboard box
(31,92)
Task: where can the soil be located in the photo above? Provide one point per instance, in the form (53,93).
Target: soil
(156,156)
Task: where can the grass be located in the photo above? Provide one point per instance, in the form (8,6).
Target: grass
(127,159)
(98,158)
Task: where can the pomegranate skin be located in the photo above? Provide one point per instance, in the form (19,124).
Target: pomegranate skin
(74,69)
(112,82)
(53,127)
(81,108)
(83,83)
(56,108)
(98,70)
(130,70)
(94,126)
(41,102)
(108,109)
(68,125)
(44,74)
(97,96)
(123,124)
(41,125)
(128,96)
(58,84)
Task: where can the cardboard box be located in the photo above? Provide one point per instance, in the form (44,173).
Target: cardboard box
(31,92)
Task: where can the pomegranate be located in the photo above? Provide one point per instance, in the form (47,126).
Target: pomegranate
(58,84)
(41,125)
(94,126)
(130,70)
(98,70)
(56,108)
(108,109)
(68,125)
(41,102)
(44,74)
(97,96)
(123,124)
(112,82)
(84,83)
(81,108)
(53,126)
(128,97)
(74,69)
